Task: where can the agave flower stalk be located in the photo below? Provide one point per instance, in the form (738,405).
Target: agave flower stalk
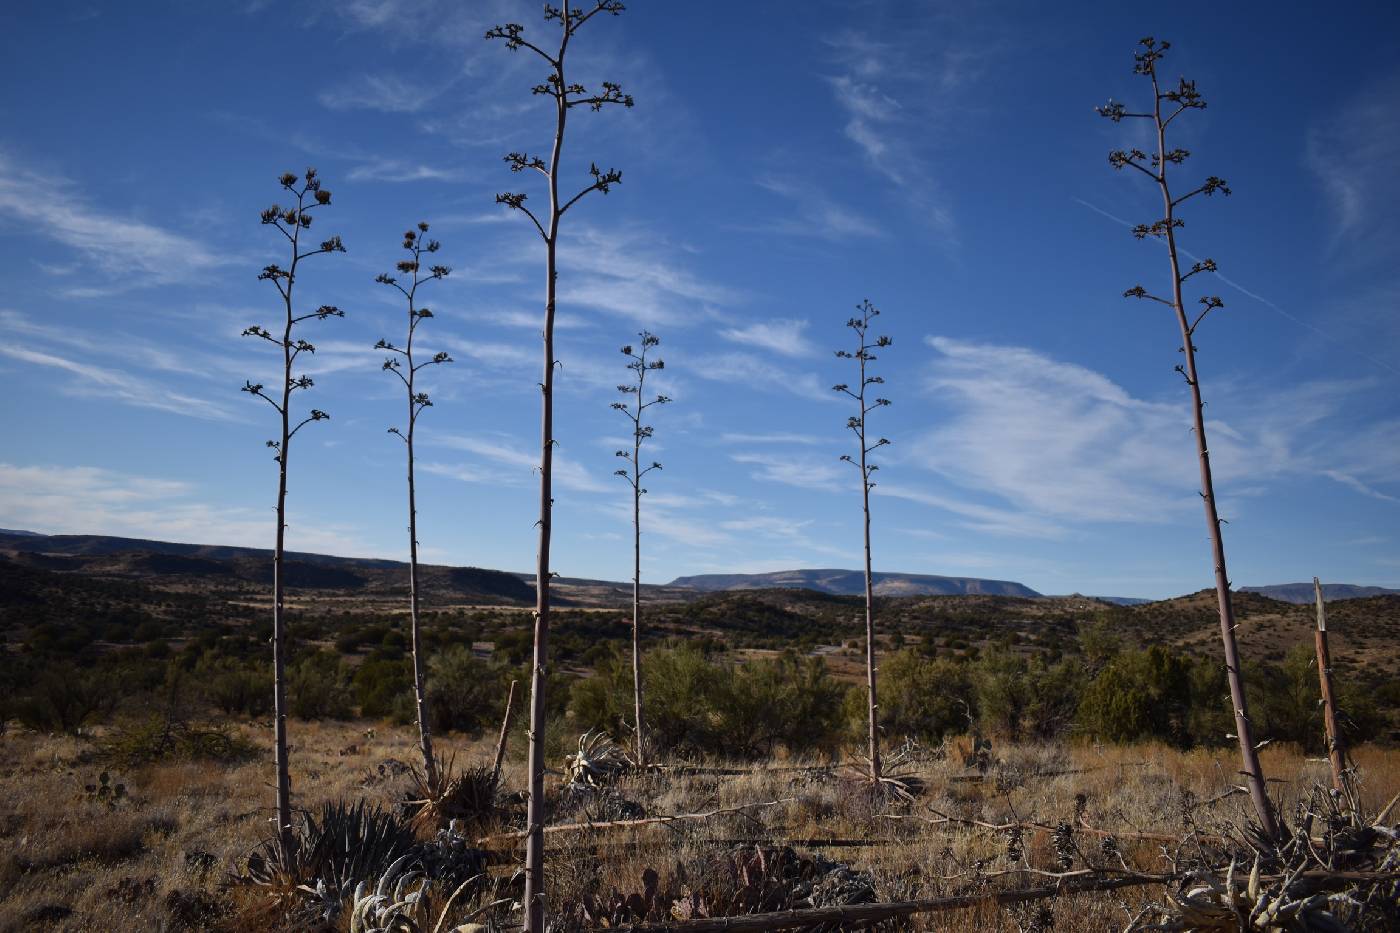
(402,362)
(565,95)
(864,356)
(635,409)
(1168,103)
(292,222)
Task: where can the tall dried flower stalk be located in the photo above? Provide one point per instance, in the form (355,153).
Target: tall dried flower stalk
(864,356)
(403,364)
(566,95)
(1167,105)
(634,472)
(292,222)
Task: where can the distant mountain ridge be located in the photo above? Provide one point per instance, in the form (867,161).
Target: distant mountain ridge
(141,556)
(852,582)
(1303,592)
(222,565)
(95,545)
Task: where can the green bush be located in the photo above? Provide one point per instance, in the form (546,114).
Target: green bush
(698,706)
(384,687)
(318,687)
(63,698)
(920,698)
(1139,695)
(465,693)
(234,687)
(1025,696)
(791,701)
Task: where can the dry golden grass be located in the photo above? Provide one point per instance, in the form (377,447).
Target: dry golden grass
(72,862)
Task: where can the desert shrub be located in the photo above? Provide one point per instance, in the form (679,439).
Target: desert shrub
(63,698)
(603,702)
(1140,695)
(698,706)
(1025,696)
(318,687)
(1002,689)
(682,687)
(465,693)
(1284,698)
(234,687)
(790,700)
(383,686)
(920,697)
(158,738)
(1359,714)
(1210,719)
(1099,641)
(1055,689)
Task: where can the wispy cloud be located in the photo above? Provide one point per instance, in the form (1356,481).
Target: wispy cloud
(894,94)
(1066,444)
(400,170)
(436,22)
(753,370)
(870,113)
(520,464)
(130,350)
(812,212)
(384,92)
(1374,324)
(972,516)
(785,336)
(54,499)
(635,274)
(802,472)
(127,250)
(579,371)
(779,437)
(1353,153)
(1352,482)
(93,381)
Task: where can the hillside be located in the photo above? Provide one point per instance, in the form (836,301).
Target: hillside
(1303,592)
(234,570)
(1364,631)
(852,582)
(79,587)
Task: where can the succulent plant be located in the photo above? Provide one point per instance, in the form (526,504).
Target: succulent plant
(599,762)
(349,842)
(105,790)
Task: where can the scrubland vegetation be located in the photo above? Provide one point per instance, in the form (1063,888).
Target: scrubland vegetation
(160,853)
(1027,763)
(162,683)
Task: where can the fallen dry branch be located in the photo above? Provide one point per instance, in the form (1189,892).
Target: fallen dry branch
(488,841)
(943,819)
(703,770)
(1068,883)
(873,913)
(613,845)
(979,777)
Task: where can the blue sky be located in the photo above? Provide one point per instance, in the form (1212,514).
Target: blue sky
(784,161)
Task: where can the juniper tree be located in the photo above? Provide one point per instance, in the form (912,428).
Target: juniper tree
(403,364)
(857,424)
(566,95)
(634,472)
(292,222)
(1168,103)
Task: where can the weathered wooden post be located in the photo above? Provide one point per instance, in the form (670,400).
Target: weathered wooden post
(1335,754)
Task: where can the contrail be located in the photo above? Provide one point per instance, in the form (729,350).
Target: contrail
(1257,297)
